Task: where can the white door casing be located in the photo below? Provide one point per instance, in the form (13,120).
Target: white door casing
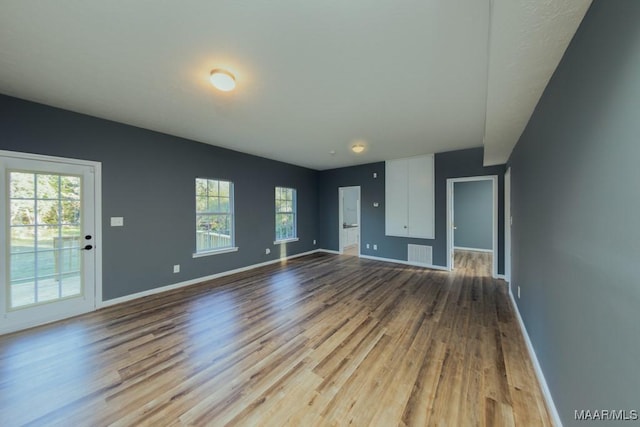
(57,273)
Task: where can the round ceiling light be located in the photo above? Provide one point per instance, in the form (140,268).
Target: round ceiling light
(357,148)
(222,80)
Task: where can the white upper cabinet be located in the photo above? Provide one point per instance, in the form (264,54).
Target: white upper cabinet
(396,194)
(409,193)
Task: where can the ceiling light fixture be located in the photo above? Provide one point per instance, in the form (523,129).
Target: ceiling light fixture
(222,80)
(357,148)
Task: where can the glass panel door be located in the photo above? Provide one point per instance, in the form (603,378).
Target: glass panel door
(45,237)
(47,241)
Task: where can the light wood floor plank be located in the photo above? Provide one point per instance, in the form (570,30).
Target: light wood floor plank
(321,340)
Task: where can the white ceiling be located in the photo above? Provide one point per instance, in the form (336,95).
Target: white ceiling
(407,77)
(528,39)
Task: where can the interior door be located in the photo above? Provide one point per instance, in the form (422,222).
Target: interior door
(47,241)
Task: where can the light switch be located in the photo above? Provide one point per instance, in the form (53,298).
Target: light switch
(117,221)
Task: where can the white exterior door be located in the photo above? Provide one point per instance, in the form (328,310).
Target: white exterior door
(47,240)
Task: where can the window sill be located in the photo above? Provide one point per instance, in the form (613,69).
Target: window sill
(214,252)
(277,242)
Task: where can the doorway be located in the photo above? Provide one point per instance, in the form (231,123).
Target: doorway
(50,226)
(474,228)
(349,226)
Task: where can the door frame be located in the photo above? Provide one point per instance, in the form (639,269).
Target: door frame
(450,220)
(341,217)
(97,203)
(507,226)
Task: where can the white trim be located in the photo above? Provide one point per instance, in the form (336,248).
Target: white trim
(536,366)
(399,261)
(214,252)
(463,248)
(97,233)
(330,251)
(341,217)
(450,248)
(179,285)
(44,158)
(279,242)
(501,276)
(33,323)
(94,168)
(392,260)
(507,226)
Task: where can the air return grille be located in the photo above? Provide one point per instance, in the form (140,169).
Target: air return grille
(420,254)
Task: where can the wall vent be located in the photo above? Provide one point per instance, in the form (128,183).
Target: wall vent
(420,254)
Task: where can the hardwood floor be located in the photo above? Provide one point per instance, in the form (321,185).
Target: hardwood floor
(352,250)
(320,340)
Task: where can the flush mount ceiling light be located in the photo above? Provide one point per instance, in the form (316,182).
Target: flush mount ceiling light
(222,80)
(357,148)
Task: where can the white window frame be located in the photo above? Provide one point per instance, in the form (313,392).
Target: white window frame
(231,214)
(294,203)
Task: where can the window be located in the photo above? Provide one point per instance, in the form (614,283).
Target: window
(285,214)
(214,216)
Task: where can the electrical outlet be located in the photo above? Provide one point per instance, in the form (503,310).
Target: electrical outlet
(314,241)
(368,246)
(176,268)
(375,174)
(375,247)
(267,251)
(518,292)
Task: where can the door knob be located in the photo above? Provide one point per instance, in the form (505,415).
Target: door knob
(87,248)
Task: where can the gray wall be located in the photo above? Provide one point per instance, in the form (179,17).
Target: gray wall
(148,178)
(576,211)
(350,206)
(473,214)
(453,164)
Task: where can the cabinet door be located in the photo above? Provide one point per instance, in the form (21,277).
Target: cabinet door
(420,197)
(396,190)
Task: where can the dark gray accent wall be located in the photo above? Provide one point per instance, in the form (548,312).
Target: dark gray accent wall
(473,214)
(576,205)
(453,164)
(148,178)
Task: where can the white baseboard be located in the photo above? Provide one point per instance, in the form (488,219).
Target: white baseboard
(396,261)
(179,285)
(399,261)
(462,248)
(329,251)
(40,321)
(536,366)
